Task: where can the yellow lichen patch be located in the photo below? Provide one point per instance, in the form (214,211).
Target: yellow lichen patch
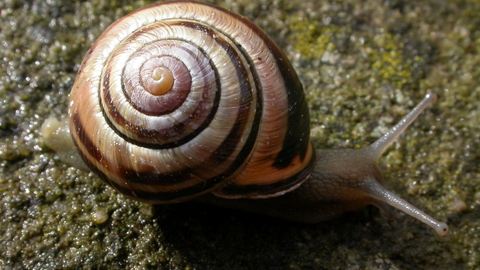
(312,39)
(388,60)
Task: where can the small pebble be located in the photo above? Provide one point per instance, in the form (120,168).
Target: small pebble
(458,205)
(100,216)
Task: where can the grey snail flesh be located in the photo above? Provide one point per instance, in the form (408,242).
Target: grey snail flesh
(212,105)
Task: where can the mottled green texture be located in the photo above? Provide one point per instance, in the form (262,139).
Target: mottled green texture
(364,65)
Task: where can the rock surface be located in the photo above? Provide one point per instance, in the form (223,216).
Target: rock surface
(363,65)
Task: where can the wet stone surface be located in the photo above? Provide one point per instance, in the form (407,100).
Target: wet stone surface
(363,65)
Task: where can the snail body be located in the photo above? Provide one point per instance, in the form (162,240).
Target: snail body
(182,100)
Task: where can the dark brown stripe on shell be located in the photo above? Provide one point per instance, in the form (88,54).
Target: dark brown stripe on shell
(92,149)
(150,196)
(155,196)
(85,140)
(253,190)
(297,139)
(230,143)
(298,127)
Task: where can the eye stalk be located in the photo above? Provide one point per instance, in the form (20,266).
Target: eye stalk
(377,149)
(360,177)
(381,194)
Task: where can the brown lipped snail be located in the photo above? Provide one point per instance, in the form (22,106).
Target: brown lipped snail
(182,100)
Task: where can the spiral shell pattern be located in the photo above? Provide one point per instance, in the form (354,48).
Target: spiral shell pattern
(179,99)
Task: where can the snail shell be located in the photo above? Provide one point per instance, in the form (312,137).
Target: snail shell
(181,99)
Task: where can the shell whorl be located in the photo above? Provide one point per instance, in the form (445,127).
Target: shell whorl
(179,99)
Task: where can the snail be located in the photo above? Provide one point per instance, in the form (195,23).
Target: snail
(184,100)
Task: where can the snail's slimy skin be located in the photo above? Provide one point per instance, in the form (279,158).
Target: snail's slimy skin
(183,99)
(56,135)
